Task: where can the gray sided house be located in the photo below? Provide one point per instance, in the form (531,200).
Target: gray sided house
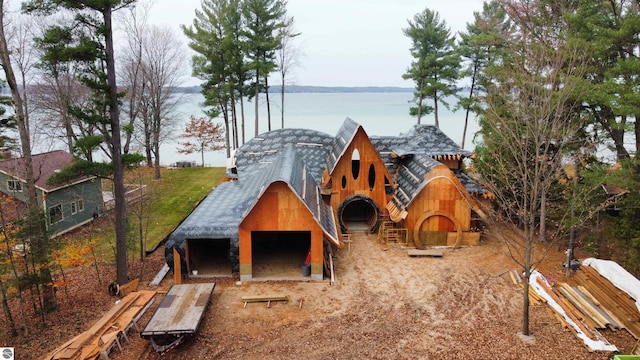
(294,194)
(66,206)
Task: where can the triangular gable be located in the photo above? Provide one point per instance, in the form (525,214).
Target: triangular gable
(349,132)
(289,168)
(43,165)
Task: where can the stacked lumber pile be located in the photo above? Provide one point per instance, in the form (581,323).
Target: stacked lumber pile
(592,302)
(576,311)
(106,332)
(619,304)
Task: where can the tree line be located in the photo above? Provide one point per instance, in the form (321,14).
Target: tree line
(554,88)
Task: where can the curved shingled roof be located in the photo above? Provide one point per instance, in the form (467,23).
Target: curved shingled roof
(340,142)
(219,215)
(312,146)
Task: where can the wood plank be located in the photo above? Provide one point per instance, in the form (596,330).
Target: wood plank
(263,298)
(160,275)
(425,252)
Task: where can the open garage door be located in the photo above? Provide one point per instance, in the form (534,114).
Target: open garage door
(209,257)
(279,255)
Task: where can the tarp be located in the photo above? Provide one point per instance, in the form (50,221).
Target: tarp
(595,345)
(618,276)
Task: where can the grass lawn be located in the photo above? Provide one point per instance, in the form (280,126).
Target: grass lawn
(168,201)
(174,197)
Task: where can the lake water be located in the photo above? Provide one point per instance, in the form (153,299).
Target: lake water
(378,113)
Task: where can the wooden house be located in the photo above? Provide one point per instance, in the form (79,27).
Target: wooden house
(355,178)
(66,206)
(292,189)
(433,197)
(273,214)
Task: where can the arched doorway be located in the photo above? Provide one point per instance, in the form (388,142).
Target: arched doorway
(432,228)
(359,213)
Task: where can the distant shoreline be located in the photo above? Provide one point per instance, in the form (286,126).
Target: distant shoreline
(319,89)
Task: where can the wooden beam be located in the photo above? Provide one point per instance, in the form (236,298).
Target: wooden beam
(177,269)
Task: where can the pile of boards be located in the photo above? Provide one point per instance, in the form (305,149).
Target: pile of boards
(591,302)
(106,332)
(615,301)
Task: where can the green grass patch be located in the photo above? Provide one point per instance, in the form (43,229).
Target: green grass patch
(174,197)
(167,202)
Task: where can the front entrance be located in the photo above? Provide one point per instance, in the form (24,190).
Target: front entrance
(279,255)
(359,213)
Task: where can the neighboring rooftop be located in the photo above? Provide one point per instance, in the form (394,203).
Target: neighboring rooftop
(44,165)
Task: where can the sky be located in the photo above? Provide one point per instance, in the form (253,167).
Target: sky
(344,42)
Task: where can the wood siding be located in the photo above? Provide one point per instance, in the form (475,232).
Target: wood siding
(345,184)
(279,209)
(446,199)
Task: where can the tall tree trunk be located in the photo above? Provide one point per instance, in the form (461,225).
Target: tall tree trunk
(157,123)
(255,99)
(282,102)
(466,115)
(542,237)
(266,94)
(37,227)
(420,100)
(225,115)
(435,110)
(7,311)
(118,170)
(242,128)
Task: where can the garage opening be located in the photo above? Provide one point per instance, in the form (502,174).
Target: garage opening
(279,254)
(209,257)
(359,213)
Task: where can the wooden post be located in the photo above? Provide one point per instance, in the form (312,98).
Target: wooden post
(177,269)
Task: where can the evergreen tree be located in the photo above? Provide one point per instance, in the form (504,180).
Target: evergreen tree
(480,46)
(93,47)
(263,21)
(436,63)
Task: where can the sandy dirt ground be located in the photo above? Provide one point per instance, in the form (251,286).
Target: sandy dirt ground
(386,305)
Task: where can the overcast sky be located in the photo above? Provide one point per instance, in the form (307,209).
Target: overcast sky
(345,42)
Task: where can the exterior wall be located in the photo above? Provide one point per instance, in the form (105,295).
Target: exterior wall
(279,209)
(89,192)
(441,197)
(360,185)
(20,195)
(451,164)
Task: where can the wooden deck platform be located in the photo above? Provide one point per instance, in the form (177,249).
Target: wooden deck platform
(180,313)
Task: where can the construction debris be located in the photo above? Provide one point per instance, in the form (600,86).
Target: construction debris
(591,302)
(571,317)
(107,332)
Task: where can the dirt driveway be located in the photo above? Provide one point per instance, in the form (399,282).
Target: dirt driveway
(383,305)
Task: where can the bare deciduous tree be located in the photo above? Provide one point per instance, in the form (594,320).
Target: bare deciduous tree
(155,65)
(288,57)
(530,126)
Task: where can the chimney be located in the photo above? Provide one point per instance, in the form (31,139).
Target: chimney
(5,154)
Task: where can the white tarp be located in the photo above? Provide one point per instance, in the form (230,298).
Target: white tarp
(594,345)
(618,276)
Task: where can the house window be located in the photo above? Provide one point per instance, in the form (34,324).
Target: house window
(355,163)
(14,185)
(77,206)
(55,214)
